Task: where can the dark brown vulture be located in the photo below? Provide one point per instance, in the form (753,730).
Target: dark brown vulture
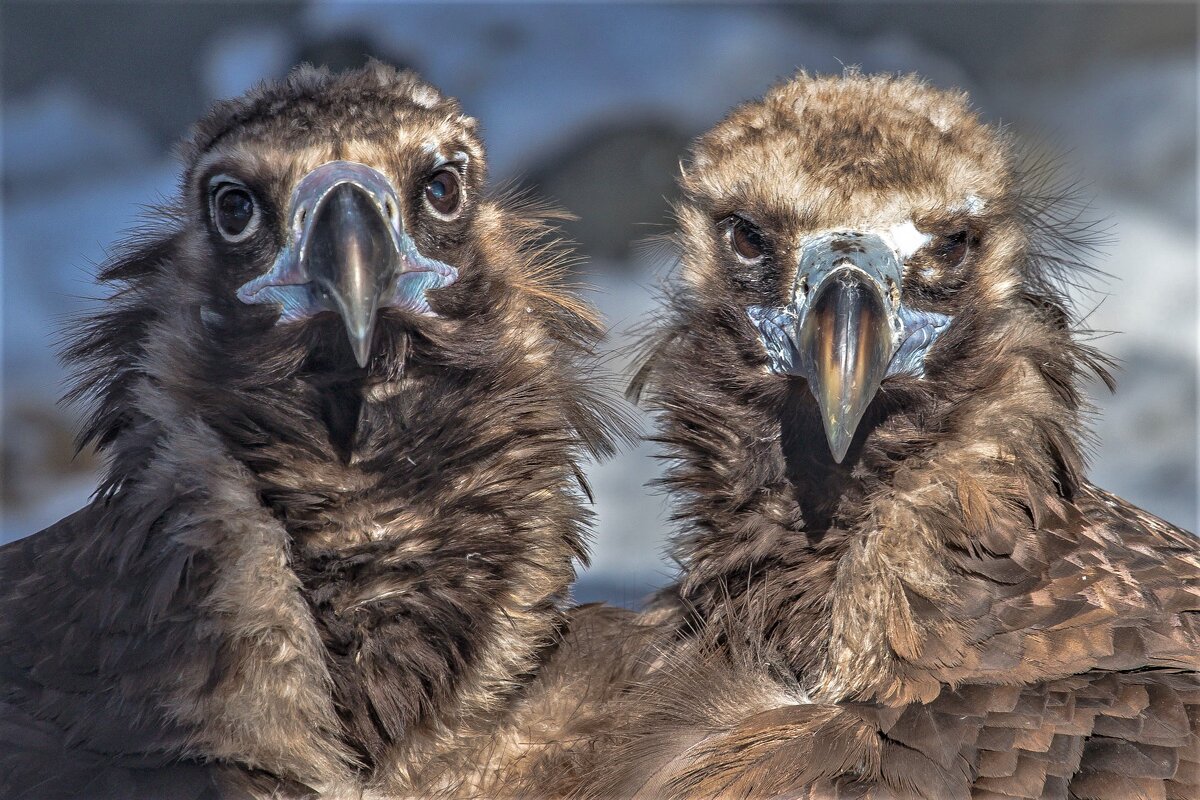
(896,579)
(343,402)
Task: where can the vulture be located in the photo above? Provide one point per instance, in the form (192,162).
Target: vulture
(343,396)
(896,580)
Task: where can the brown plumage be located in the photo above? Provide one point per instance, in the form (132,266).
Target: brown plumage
(300,575)
(952,611)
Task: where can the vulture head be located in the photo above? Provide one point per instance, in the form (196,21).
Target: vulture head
(344,397)
(867,380)
(323,227)
(326,226)
(867,289)
(839,229)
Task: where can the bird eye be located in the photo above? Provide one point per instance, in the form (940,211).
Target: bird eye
(233,210)
(952,249)
(746,240)
(442,193)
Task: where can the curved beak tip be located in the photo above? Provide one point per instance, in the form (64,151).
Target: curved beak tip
(361,345)
(839,437)
(841,414)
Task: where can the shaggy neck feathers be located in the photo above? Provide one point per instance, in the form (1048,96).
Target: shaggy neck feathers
(427,521)
(820,558)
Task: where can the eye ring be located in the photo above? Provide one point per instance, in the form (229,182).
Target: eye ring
(233,209)
(443,193)
(746,240)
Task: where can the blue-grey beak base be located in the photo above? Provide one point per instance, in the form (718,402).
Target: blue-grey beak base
(289,286)
(844,349)
(914,331)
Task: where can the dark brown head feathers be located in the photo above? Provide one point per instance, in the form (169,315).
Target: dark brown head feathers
(947,599)
(310,101)
(313,574)
(329,574)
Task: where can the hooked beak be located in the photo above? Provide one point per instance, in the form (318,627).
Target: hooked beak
(347,252)
(352,261)
(849,331)
(845,343)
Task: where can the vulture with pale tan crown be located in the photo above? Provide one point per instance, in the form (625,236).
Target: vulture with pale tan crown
(343,399)
(896,580)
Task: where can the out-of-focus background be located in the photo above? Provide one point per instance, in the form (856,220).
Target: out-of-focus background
(592,105)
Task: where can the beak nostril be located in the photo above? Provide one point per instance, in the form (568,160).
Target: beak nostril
(893,291)
(301,215)
(390,209)
(803,286)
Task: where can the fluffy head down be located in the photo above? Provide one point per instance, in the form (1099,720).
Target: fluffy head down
(950,610)
(415,520)
(767,514)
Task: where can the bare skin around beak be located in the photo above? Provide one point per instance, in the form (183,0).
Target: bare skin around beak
(850,331)
(347,252)
(352,260)
(845,346)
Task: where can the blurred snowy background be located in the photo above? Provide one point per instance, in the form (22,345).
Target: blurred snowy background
(592,105)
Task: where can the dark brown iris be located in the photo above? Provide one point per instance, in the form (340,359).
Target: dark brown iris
(746,240)
(233,210)
(442,192)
